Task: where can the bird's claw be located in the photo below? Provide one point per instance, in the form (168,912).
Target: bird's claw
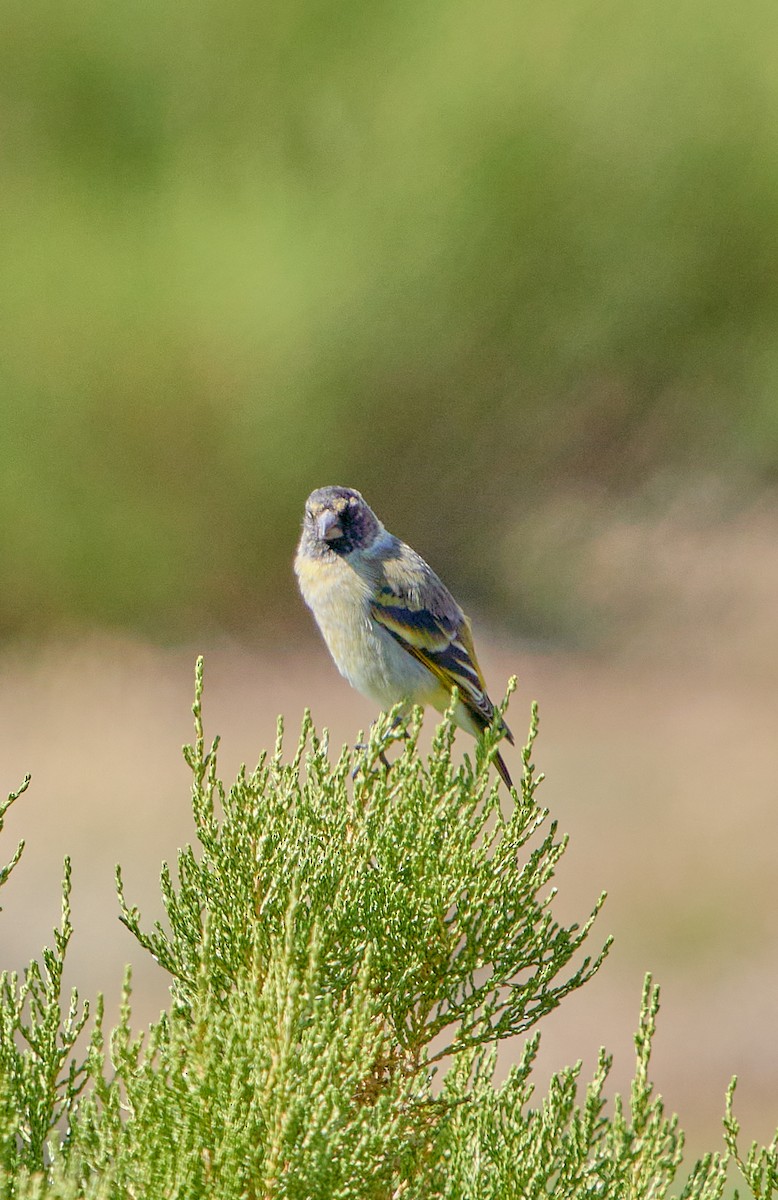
(396,732)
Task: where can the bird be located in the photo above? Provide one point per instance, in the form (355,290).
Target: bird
(393,628)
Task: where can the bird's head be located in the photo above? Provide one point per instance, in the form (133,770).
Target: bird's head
(337,520)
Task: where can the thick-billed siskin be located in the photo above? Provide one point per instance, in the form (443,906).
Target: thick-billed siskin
(394,630)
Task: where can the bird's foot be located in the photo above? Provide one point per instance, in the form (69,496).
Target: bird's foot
(396,732)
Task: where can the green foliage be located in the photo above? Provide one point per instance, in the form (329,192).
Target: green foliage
(4,806)
(39,1079)
(760,1166)
(346,955)
(416,868)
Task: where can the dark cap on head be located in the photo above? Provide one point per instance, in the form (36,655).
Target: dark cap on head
(338,520)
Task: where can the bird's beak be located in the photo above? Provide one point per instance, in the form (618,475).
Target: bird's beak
(328,527)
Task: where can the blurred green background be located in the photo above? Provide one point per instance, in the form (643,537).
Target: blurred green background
(507,268)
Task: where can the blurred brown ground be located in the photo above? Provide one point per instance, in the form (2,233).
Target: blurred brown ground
(660,756)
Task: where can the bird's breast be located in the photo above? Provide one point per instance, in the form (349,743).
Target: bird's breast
(366,654)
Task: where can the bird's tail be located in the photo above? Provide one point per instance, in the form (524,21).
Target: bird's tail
(502,771)
(499,761)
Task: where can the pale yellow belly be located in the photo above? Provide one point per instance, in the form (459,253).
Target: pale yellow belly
(365,654)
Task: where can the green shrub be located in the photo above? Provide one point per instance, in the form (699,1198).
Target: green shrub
(346,949)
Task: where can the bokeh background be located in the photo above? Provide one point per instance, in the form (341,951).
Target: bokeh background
(511,270)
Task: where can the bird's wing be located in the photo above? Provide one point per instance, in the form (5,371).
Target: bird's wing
(426,620)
